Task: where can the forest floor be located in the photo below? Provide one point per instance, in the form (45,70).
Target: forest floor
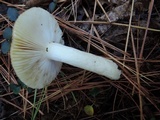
(125,31)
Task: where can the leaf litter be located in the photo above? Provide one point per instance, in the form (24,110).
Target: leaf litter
(100,27)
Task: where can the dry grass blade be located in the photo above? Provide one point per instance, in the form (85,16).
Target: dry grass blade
(132,42)
(117,24)
(103,10)
(146,31)
(13,5)
(129,28)
(137,76)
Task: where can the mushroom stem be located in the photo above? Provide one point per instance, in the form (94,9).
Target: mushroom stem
(84,60)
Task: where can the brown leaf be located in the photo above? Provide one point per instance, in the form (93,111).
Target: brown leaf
(31,3)
(117,13)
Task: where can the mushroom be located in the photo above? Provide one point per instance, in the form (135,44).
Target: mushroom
(38,50)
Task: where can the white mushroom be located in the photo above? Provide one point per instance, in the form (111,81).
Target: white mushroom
(37,51)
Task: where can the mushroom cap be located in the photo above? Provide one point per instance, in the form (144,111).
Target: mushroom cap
(33,31)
